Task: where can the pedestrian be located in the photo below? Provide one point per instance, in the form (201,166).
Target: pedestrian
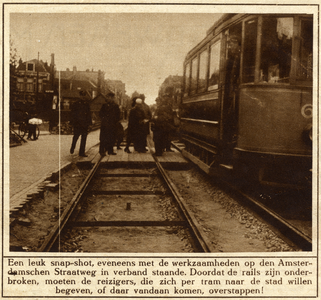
(119,135)
(110,116)
(52,122)
(80,121)
(32,128)
(130,127)
(136,123)
(162,125)
(171,118)
(32,132)
(148,117)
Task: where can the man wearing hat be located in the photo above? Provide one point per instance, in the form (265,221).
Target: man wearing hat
(80,120)
(162,124)
(110,116)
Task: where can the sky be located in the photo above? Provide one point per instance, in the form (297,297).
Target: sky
(140,49)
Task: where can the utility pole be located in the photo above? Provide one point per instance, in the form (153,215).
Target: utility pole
(37,84)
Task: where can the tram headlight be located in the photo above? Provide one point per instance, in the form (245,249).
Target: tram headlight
(310,133)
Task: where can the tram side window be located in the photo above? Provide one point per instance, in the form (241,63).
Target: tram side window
(276,50)
(203,71)
(249,51)
(187,79)
(214,66)
(194,76)
(305,56)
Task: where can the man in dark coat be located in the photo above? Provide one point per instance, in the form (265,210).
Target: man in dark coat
(80,120)
(170,117)
(162,125)
(110,116)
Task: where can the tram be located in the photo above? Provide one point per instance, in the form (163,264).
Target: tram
(246,105)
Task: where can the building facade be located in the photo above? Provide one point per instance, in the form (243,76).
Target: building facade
(34,86)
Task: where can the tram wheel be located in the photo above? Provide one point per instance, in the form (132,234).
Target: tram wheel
(23,129)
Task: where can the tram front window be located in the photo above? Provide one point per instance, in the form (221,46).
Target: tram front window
(276,50)
(249,51)
(304,70)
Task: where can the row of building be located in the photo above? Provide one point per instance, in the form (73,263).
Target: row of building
(40,87)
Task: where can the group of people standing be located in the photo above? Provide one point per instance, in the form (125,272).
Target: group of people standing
(140,121)
(162,125)
(110,122)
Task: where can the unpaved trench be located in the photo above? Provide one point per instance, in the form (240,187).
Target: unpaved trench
(227,225)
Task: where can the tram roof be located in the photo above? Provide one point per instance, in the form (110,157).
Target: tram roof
(215,28)
(224,21)
(220,21)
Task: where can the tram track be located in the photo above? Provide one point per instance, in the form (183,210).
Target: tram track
(137,193)
(293,234)
(68,211)
(131,201)
(282,226)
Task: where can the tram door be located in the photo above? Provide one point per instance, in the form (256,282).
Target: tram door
(232,74)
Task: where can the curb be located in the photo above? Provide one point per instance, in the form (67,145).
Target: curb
(37,189)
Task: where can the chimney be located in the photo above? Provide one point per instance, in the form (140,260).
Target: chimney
(52,64)
(74,70)
(52,69)
(99,82)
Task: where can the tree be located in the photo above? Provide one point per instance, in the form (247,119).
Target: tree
(13,54)
(13,79)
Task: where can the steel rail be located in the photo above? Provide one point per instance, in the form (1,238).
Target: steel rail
(289,231)
(189,221)
(63,219)
(201,240)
